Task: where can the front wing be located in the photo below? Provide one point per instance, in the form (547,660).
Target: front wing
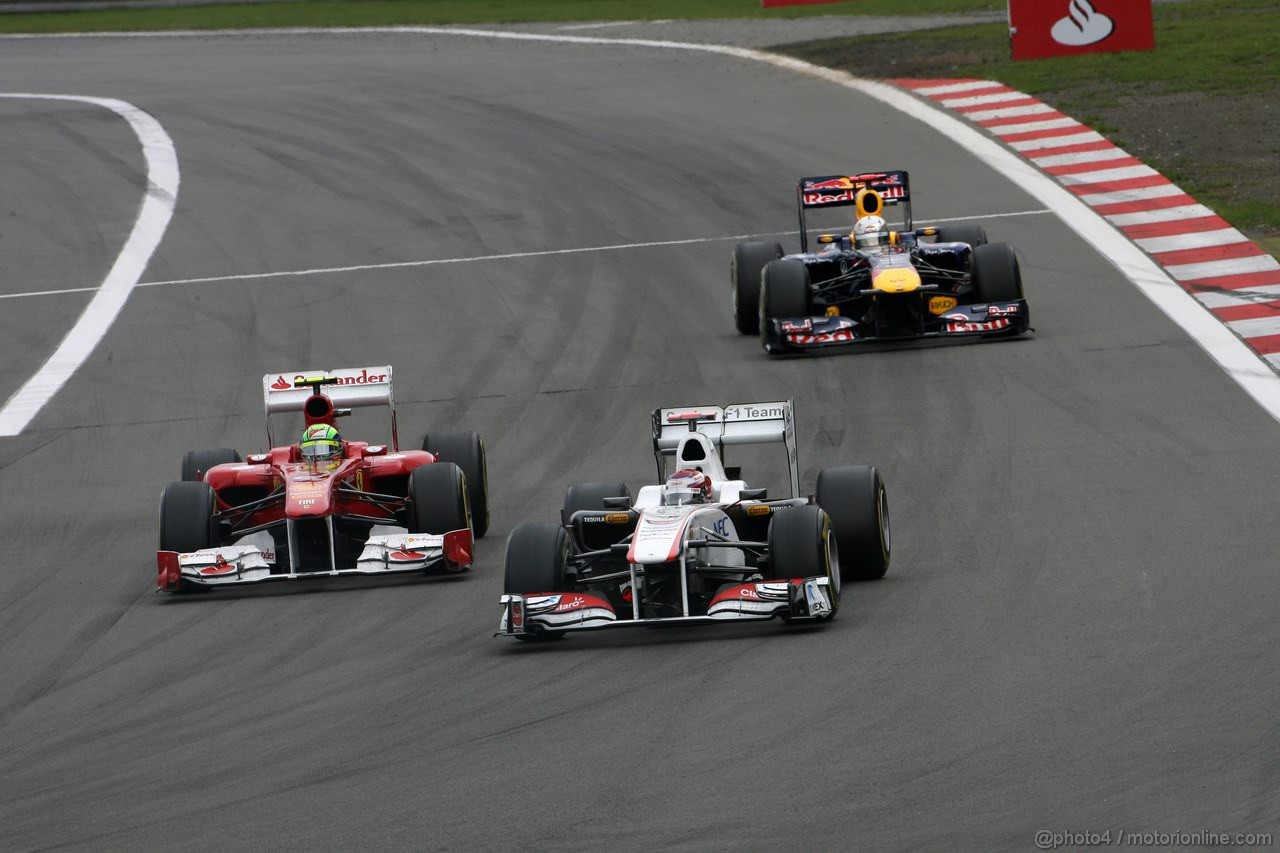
(550,613)
(995,319)
(382,555)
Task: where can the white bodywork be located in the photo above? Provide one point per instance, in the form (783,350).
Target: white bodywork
(246,563)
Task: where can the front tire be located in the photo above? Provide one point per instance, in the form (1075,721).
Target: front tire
(996,274)
(187,517)
(188,522)
(854,497)
(537,560)
(466,450)
(802,545)
(437,499)
(784,292)
(745,269)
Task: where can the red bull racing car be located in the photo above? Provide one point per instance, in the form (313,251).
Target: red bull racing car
(324,506)
(700,547)
(880,282)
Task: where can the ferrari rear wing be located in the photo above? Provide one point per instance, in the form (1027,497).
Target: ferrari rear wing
(823,191)
(346,388)
(736,423)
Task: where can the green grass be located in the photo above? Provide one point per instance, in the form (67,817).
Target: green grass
(367,13)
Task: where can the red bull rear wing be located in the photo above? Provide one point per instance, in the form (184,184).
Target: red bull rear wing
(842,190)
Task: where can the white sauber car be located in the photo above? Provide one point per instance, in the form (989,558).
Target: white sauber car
(700,546)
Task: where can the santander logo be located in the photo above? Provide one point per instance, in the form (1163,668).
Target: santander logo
(364,377)
(1083,25)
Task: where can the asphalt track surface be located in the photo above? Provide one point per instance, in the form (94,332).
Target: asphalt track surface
(1077,631)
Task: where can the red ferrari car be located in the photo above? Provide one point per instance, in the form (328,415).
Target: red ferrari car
(326,505)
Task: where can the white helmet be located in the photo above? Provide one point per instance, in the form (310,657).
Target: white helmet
(870,232)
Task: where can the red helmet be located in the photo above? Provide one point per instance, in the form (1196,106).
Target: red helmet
(687,487)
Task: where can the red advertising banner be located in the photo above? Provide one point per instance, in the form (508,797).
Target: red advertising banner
(1041,28)
(765,4)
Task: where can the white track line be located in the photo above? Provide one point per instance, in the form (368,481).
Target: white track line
(97,317)
(480,258)
(1252,373)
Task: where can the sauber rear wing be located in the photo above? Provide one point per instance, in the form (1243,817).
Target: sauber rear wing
(736,423)
(346,388)
(823,191)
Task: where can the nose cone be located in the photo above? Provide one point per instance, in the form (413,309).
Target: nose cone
(896,280)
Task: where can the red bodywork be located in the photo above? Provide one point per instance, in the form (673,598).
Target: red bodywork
(310,492)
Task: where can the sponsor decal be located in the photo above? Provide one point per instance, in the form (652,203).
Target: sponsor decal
(748,592)
(789,327)
(406,556)
(818,198)
(832,184)
(721,526)
(1040,28)
(570,603)
(305,502)
(842,336)
(987,326)
(832,311)
(752,413)
(300,380)
(220,567)
(759,509)
(302,485)
(676,417)
(998,311)
(942,304)
(617,518)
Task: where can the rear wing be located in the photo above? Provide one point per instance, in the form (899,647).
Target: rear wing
(346,388)
(823,191)
(737,423)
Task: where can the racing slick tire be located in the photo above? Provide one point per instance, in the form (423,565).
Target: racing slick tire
(591,496)
(196,462)
(466,450)
(437,499)
(537,560)
(784,292)
(745,269)
(188,523)
(996,274)
(974,235)
(855,498)
(803,545)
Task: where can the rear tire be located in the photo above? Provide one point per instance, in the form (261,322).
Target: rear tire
(996,274)
(854,497)
(466,450)
(537,561)
(196,463)
(974,235)
(437,499)
(590,496)
(802,545)
(745,269)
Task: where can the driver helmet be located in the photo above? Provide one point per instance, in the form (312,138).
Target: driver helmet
(687,486)
(870,232)
(320,443)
